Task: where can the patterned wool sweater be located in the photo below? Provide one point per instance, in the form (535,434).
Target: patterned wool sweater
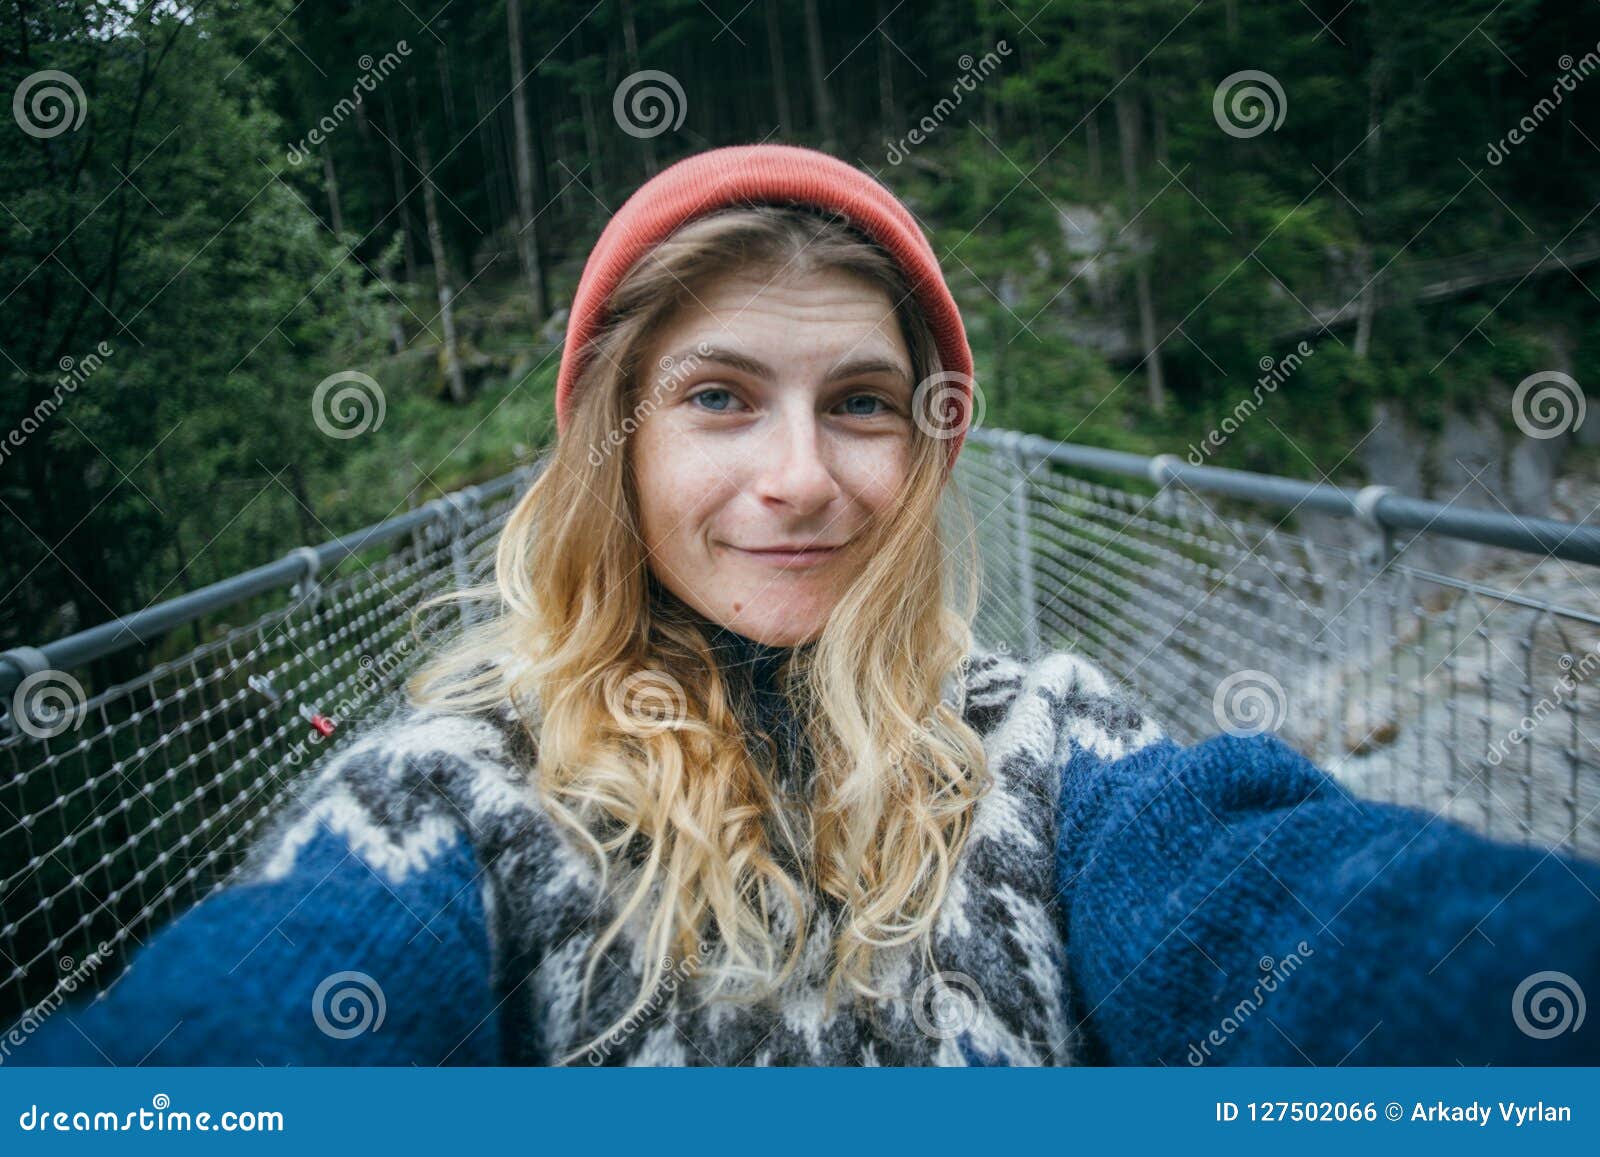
(998,991)
(1121,899)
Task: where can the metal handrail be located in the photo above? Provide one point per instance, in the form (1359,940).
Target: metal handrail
(1381,506)
(298,565)
(1462,686)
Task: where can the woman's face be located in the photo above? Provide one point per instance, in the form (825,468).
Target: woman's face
(783,421)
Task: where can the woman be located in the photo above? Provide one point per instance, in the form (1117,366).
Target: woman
(723,779)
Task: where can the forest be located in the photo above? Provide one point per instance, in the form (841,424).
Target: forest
(273,270)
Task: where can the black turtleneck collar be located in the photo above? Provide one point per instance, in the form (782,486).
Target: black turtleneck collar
(753,670)
(740,654)
(734,652)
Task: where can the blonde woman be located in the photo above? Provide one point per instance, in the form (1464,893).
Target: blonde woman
(722,776)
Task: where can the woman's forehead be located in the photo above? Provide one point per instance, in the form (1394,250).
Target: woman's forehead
(829,315)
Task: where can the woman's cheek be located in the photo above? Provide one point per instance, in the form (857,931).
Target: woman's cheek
(881,479)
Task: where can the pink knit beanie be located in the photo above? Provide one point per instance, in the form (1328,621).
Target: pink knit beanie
(748,174)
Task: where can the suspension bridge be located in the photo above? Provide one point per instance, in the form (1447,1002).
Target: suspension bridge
(1199,588)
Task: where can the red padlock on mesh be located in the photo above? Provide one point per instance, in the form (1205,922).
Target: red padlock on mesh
(320,723)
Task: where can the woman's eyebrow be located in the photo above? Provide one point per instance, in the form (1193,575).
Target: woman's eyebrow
(860,367)
(744,363)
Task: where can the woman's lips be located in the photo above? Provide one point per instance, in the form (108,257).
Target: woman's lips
(790,558)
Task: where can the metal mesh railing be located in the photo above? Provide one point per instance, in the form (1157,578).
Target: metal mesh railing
(121,807)
(1473,701)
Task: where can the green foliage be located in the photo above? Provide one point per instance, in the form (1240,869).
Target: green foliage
(184,225)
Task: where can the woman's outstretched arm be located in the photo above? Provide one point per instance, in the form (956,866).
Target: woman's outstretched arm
(349,942)
(1230,903)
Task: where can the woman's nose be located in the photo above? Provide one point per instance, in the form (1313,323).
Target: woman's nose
(794,464)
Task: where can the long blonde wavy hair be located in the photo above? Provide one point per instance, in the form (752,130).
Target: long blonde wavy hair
(640,751)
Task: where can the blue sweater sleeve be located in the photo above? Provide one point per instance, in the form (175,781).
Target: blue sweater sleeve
(1230,903)
(333,963)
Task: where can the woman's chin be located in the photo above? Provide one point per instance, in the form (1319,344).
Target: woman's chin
(778,629)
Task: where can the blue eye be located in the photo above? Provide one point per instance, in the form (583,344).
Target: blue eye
(868,397)
(704,393)
(727,398)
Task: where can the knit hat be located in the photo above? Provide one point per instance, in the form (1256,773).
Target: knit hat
(748,174)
